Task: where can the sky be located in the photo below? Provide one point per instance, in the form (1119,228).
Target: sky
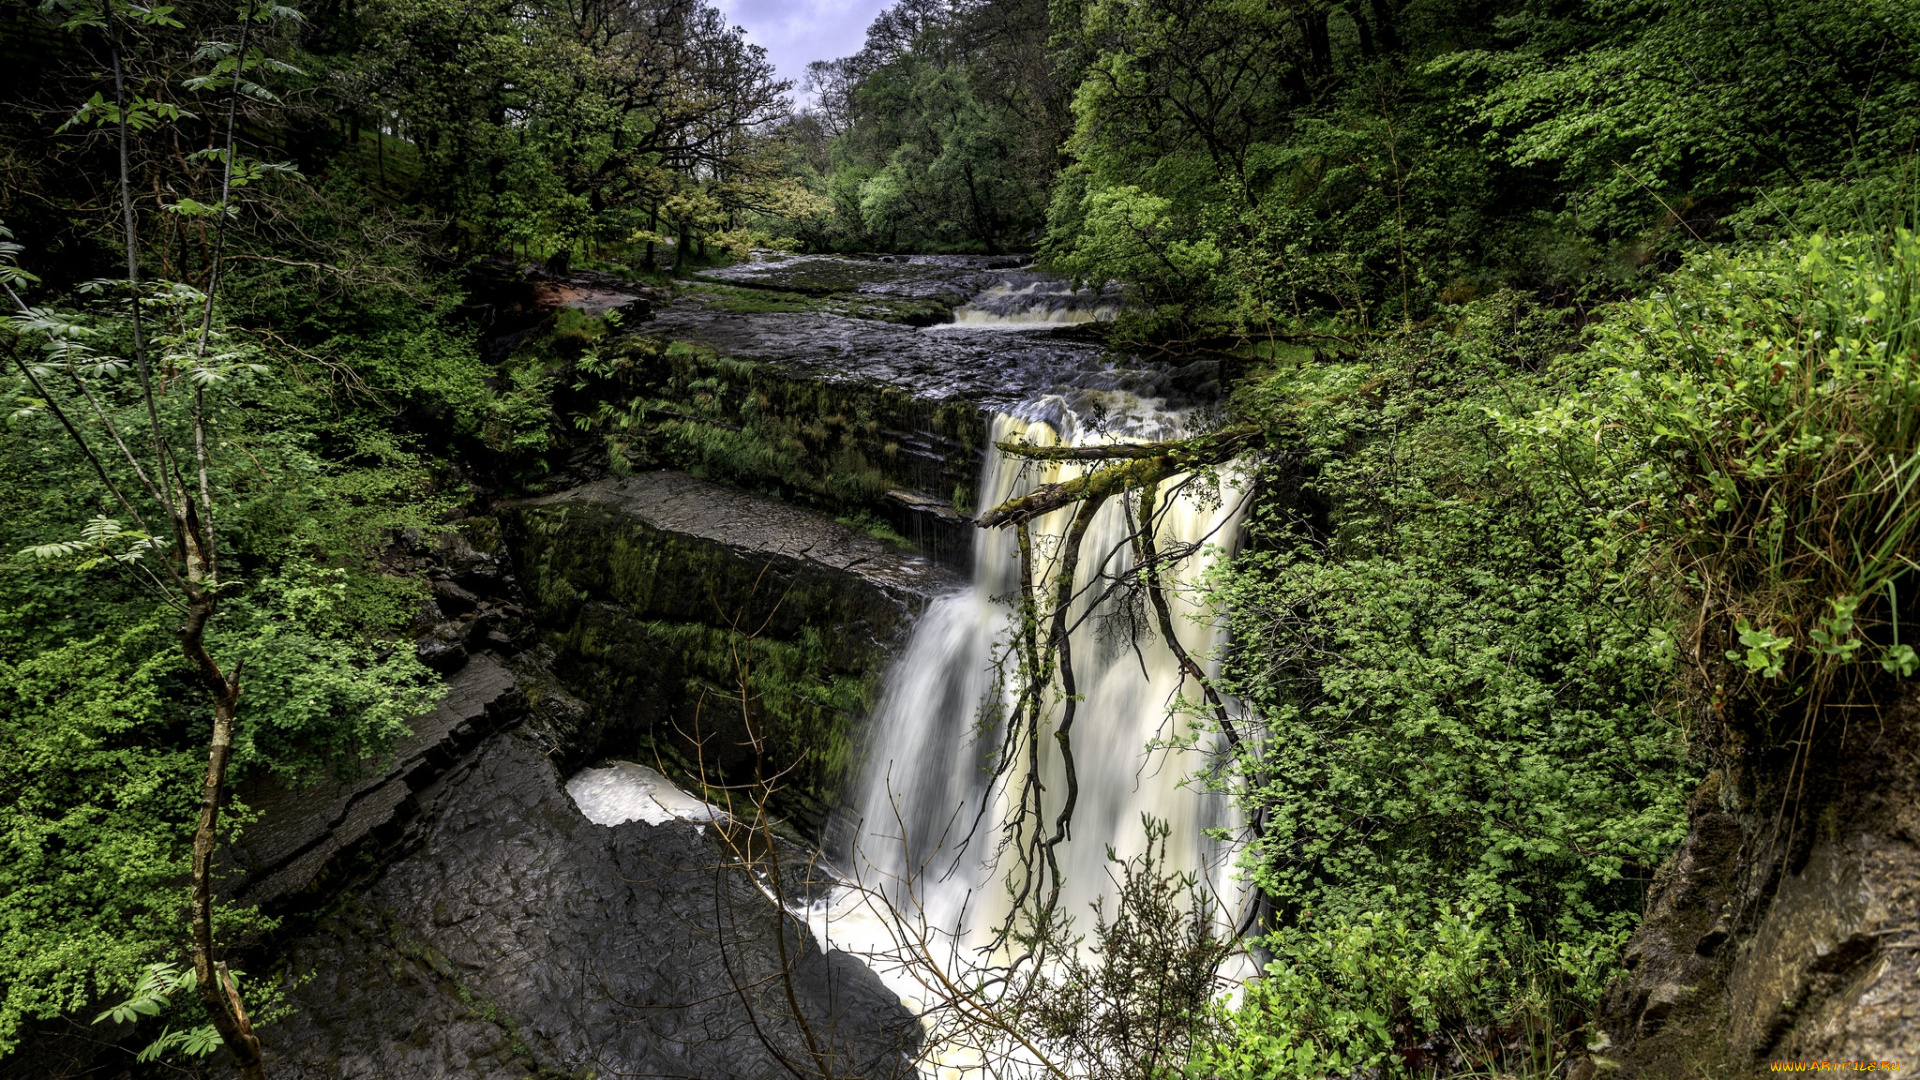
(796,32)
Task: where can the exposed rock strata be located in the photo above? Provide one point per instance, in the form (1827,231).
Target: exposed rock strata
(309,829)
(647,587)
(1784,932)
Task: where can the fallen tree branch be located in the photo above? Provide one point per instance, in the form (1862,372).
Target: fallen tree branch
(1131,465)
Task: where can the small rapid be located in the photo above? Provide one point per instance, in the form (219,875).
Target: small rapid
(1012,304)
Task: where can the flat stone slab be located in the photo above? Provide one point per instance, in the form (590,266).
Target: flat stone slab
(990,368)
(951,278)
(756,525)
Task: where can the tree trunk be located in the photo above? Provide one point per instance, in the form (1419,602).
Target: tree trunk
(217,990)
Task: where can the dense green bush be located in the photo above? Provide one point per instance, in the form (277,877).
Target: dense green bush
(1751,427)
(1455,683)
(102,732)
(1246,167)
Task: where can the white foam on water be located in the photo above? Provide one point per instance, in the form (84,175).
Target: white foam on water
(623,792)
(1036,304)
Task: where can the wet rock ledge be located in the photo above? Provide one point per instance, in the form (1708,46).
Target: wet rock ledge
(455,913)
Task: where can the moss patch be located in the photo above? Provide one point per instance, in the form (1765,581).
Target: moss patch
(835,445)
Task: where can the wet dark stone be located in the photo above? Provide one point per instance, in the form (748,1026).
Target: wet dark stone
(520,938)
(827,275)
(307,829)
(990,369)
(445,655)
(453,599)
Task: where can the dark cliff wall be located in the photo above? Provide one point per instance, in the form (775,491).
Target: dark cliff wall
(519,939)
(660,594)
(843,445)
(1787,925)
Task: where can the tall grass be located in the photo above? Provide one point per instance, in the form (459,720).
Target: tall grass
(1761,418)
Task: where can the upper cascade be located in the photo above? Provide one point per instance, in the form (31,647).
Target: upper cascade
(1024,300)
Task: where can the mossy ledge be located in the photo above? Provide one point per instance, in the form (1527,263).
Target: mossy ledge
(905,459)
(661,593)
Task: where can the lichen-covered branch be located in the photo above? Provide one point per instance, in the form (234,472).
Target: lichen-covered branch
(1130,466)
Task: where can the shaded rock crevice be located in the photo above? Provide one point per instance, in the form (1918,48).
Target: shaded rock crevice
(1786,926)
(658,593)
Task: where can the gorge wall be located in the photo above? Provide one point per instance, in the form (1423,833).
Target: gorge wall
(1786,926)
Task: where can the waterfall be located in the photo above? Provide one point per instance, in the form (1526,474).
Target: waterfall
(927,774)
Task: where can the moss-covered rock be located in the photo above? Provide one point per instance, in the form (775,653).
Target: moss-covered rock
(722,634)
(843,445)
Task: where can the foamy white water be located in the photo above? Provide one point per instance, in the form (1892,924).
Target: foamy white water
(927,778)
(623,792)
(1045,302)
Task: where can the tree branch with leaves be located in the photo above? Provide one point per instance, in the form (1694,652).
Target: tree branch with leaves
(163,473)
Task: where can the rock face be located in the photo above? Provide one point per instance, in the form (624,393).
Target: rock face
(1787,925)
(949,279)
(985,368)
(858,413)
(312,830)
(489,928)
(658,592)
(518,938)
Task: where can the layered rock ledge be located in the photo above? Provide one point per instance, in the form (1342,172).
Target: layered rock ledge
(651,591)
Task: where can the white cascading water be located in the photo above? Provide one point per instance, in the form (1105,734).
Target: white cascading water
(928,773)
(1043,302)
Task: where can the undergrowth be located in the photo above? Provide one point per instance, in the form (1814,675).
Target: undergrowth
(1758,418)
(1461,779)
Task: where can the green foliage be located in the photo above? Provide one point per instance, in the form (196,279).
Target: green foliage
(102,727)
(1455,694)
(1754,419)
(317,695)
(101,794)
(875,527)
(562,129)
(1248,168)
(1701,103)
(577,329)
(151,995)
(942,134)
(1333,994)
(102,744)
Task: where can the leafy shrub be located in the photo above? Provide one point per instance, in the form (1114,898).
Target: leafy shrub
(1759,419)
(1141,1009)
(102,732)
(1454,690)
(99,810)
